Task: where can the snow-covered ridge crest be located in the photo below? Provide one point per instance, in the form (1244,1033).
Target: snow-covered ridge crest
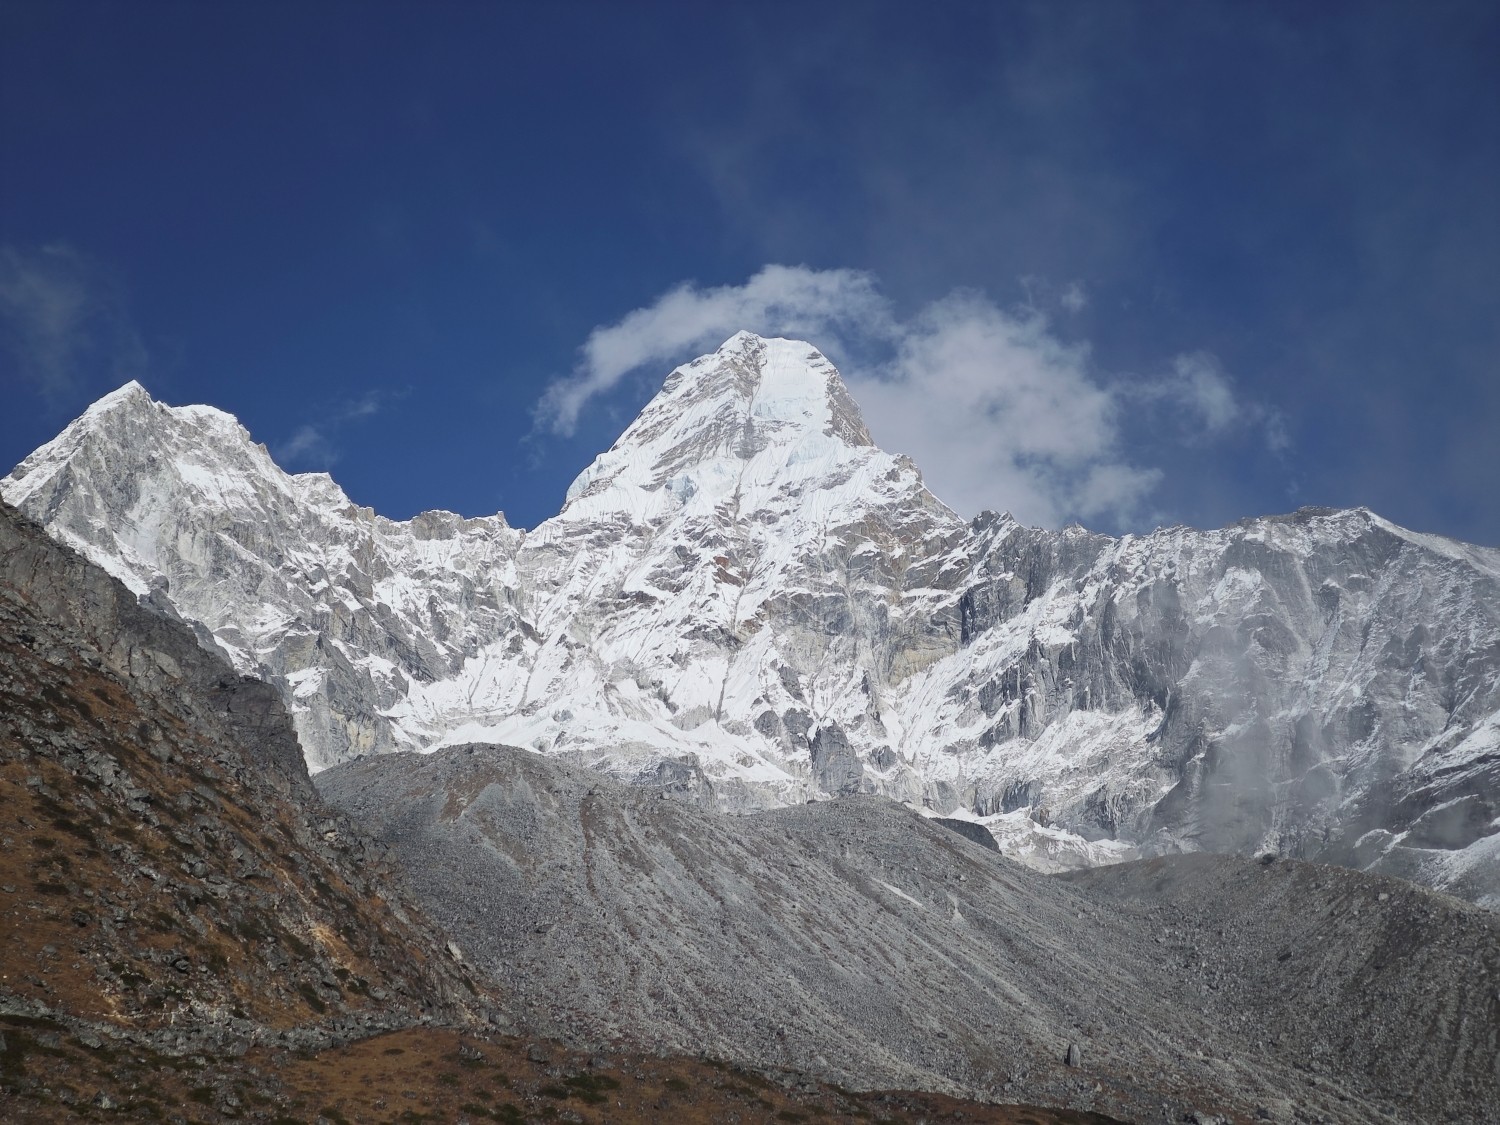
(747,602)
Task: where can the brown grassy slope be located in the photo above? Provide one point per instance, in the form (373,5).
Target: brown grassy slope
(163,856)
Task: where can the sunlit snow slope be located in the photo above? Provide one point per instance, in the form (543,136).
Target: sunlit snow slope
(746,601)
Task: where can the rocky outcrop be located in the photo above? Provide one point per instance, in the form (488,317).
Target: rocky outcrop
(748,603)
(867,946)
(970,830)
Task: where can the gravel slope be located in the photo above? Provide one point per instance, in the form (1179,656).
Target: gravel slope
(858,942)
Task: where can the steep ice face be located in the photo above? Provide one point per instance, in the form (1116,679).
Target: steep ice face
(745,601)
(1314,684)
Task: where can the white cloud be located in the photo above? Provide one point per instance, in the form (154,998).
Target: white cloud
(998,412)
(994,406)
(778,301)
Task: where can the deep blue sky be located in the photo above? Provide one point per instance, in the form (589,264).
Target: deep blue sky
(378,232)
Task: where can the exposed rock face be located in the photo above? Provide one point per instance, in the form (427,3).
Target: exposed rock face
(166,862)
(1324,684)
(747,603)
(865,945)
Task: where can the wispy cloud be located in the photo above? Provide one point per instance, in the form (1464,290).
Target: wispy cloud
(789,300)
(1201,386)
(1196,391)
(994,405)
(315,445)
(64,323)
(1278,435)
(1046,296)
(1203,400)
(1074,297)
(307,446)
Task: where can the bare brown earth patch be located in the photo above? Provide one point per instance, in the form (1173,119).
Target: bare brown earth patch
(440,1075)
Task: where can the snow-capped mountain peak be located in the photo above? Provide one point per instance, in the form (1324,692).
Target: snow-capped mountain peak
(757,413)
(774,388)
(747,601)
(131,393)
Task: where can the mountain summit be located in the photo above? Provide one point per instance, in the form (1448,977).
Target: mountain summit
(745,602)
(754,418)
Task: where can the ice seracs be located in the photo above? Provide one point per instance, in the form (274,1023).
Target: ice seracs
(746,602)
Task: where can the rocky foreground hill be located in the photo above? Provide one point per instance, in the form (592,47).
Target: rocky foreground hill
(189,934)
(159,817)
(747,601)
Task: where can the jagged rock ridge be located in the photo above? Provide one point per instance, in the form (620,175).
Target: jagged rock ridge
(747,602)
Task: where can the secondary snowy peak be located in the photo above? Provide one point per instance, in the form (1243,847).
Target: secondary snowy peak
(107,481)
(759,412)
(341,608)
(131,449)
